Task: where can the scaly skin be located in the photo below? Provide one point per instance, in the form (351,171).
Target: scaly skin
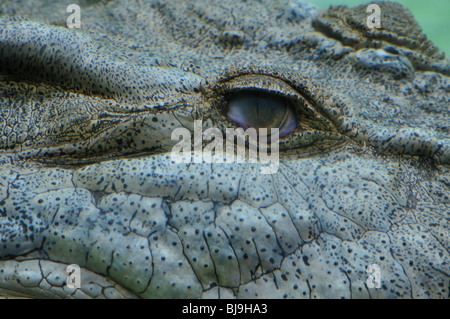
(86,177)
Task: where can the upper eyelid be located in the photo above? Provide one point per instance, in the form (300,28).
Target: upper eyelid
(266,84)
(256,82)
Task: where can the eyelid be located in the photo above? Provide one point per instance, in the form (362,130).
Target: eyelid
(304,102)
(267,84)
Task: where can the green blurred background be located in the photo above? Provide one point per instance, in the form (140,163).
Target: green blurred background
(432,15)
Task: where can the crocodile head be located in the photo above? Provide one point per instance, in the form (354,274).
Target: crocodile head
(86,174)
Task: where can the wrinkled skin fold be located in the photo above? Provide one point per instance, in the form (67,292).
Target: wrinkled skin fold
(86,177)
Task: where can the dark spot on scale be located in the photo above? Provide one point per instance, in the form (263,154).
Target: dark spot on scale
(305,260)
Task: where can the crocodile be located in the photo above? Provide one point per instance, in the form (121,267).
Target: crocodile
(358,208)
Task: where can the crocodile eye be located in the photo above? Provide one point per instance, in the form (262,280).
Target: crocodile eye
(262,110)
